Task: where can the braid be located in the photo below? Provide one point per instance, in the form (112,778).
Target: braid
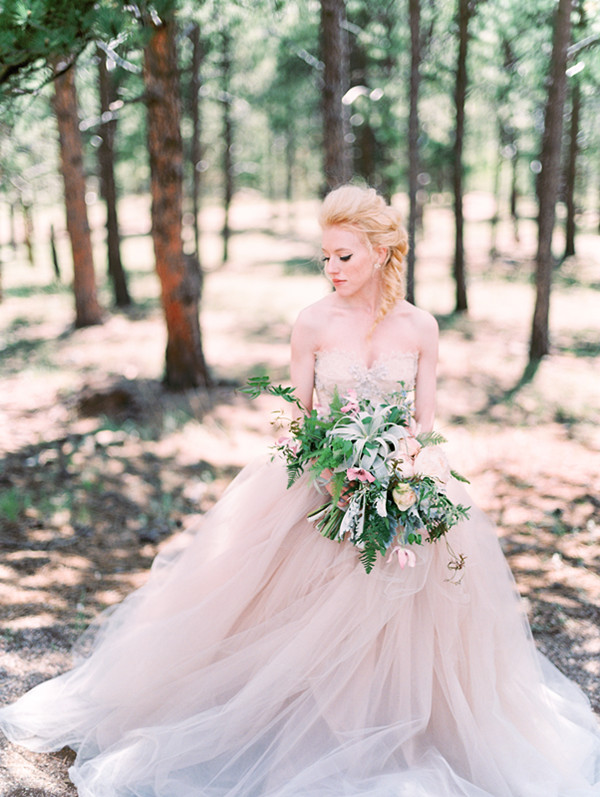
(364,210)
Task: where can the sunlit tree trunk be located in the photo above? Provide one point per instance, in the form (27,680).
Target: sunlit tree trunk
(548,181)
(87,309)
(334,48)
(106,163)
(413,143)
(185,365)
(464,14)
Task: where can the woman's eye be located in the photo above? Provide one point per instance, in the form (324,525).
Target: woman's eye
(345,258)
(324,259)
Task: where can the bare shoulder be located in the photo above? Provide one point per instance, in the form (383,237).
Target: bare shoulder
(313,317)
(425,321)
(421,320)
(417,327)
(310,323)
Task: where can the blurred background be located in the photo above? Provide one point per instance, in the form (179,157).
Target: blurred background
(161,167)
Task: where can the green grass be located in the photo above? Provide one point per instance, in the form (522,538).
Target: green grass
(12,503)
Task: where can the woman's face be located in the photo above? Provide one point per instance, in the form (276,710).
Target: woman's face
(349,262)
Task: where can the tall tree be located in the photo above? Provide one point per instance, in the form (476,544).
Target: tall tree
(228,181)
(195,147)
(334,49)
(466,9)
(414,7)
(548,180)
(571,169)
(87,309)
(106,161)
(185,365)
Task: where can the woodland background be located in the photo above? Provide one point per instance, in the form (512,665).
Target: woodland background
(160,170)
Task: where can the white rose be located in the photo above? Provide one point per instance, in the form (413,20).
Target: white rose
(431,461)
(403,495)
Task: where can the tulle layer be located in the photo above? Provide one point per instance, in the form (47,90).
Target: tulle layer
(263,661)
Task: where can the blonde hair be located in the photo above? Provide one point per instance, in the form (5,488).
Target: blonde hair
(367,213)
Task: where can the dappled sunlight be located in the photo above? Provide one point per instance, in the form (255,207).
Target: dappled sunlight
(102,466)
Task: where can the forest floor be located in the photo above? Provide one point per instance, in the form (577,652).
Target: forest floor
(100,465)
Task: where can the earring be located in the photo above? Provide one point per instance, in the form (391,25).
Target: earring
(377,265)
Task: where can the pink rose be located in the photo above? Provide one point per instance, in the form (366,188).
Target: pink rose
(290,443)
(404,466)
(431,461)
(351,402)
(359,474)
(410,445)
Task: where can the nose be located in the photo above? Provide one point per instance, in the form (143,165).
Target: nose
(332,266)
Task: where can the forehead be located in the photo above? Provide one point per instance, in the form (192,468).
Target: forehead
(336,238)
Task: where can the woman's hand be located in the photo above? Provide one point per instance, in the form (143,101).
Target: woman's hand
(326,476)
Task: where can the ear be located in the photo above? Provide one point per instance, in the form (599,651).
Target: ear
(381,253)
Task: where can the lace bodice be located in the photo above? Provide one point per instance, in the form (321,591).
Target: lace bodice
(344,370)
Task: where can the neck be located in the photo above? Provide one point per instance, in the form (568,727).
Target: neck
(367,301)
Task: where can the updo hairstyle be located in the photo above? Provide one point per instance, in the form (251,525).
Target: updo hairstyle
(364,211)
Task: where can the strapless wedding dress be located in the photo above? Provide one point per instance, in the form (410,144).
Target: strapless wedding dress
(260,660)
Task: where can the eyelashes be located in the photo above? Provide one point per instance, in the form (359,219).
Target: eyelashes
(343,258)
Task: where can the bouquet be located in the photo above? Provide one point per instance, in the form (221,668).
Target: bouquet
(387,483)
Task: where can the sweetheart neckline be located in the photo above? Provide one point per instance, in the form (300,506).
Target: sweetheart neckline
(379,360)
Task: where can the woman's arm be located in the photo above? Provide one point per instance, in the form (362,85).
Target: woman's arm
(426,374)
(302,362)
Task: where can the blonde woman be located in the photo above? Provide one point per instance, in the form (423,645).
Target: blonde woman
(264,661)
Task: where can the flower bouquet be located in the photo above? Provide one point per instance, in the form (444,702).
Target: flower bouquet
(387,484)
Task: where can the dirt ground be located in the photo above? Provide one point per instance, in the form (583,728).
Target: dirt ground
(100,465)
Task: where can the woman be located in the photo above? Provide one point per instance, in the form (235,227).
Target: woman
(263,660)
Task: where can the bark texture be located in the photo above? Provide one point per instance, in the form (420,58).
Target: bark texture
(464,15)
(195,146)
(106,163)
(87,309)
(571,172)
(185,365)
(337,163)
(548,181)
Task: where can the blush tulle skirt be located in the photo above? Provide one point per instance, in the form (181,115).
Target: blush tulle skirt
(260,660)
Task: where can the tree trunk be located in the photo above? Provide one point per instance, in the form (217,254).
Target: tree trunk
(290,160)
(228,182)
(496,193)
(11,221)
(464,13)
(548,181)
(28,229)
(87,309)
(413,144)
(53,254)
(514,189)
(185,365)
(106,164)
(334,48)
(195,149)
(571,175)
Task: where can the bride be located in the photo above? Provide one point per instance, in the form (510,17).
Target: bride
(262,660)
